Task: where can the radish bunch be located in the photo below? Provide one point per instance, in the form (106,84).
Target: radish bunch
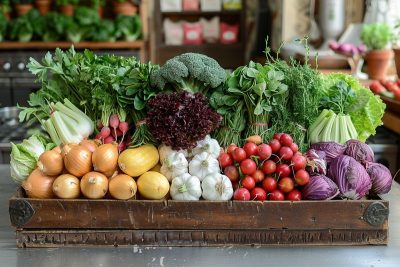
(116,131)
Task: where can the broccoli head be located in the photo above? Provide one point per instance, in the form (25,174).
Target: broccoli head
(190,72)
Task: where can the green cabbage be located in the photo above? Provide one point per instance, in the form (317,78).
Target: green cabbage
(365,109)
(24,156)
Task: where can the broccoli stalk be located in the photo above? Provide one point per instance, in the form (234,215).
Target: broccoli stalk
(195,73)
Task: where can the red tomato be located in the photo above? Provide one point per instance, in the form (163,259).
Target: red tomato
(276,195)
(286,140)
(283,170)
(299,162)
(285,153)
(269,184)
(264,151)
(225,160)
(275,145)
(250,149)
(241,194)
(286,184)
(248,166)
(377,87)
(294,147)
(277,136)
(294,195)
(248,182)
(269,167)
(302,177)
(239,154)
(230,148)
(258,194)
(232,173)
(258,176)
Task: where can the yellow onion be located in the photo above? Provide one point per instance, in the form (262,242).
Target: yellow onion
(77,160)
(94,185)
(66,186)
(105,158)
(91,145)
(57,149)
(111,173)
(38,185)
(122,186)
(51,163)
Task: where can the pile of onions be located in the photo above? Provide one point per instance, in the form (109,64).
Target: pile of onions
(94,185)
(105,159)
(122,186)
(51,163)
(91,145)
(66,186)
(77,159)
(38,185)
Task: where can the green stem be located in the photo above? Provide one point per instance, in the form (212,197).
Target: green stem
(182,188)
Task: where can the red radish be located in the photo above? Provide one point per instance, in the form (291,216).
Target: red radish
(98,137)
(294,195)
(105,132)
(121,146)
(283,170)
(114,122)
(285,153)
(286,184)
(248,166)
(277,136)
(269,167)
(241,194)
(109,139)
(275,145)
(302,177)
(235,185)
(239,154)
(225,160)
(124,127)
(250,149)
(377,88)
(286,140)
(258,194)
(232,173)
(248,182)
(269,184)
(264,151)
(230,148)
(294,147)
(99,125)
(117,133)
(299,162)
(276,195)
(258,176)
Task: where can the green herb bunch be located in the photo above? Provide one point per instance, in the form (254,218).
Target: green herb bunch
(377,36)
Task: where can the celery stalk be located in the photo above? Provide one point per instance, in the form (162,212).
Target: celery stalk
(63,130)
(325,113)
(344,133)
(326,132)
(49,127)
(352,130)
(315,134)
(335,133)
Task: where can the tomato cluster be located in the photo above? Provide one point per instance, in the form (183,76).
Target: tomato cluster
(271,171)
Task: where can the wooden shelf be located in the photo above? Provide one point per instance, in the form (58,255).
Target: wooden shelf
(202,13)
(89,45)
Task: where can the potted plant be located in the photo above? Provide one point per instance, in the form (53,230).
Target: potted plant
(22,7)
(99,6)
(125,7)
(5,8)
(67,7)
(43,6)
(377,37)
(3,27)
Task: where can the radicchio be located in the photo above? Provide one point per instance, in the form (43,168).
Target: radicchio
(316,163)
(331,149)
(350,176)
(359,151)
(320,187)
(380,176)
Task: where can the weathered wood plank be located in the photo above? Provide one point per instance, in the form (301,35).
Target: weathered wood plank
(305,237)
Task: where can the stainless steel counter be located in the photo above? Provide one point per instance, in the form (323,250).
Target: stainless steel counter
(228,256)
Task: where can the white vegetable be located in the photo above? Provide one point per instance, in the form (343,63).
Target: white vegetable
(185,187)
(217,186)
(208,145)
(202,165)
(174,165)
(164,151)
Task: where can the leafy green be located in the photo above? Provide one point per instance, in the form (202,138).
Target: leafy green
(55,26)
(377,35)
(86,16)
(21,29)
(128,28)
(3,26)
(104,30)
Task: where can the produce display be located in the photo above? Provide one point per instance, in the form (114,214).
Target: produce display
(189,130)
(390,89)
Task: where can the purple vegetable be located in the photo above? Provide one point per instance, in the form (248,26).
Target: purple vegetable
(331,149)
(362,48)
(316,163)
(346,48)
(334,46)
(320,187)
(359,151)
(380,176)
(350,176)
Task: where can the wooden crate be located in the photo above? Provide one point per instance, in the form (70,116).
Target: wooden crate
(106,222)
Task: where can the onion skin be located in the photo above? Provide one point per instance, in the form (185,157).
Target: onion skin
(105,158)
(94,185)
(77,160)
(122,186)
(91,145)
(38,185)
(51,163)
(57,149)
(380,176)
(66,186)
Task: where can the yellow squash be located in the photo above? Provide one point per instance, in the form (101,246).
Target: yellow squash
(137,161)
(153,185)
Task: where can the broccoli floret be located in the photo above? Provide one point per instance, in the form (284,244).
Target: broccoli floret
(191,72)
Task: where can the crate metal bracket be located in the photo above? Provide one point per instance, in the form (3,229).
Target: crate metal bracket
(21,211)
(376,214)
